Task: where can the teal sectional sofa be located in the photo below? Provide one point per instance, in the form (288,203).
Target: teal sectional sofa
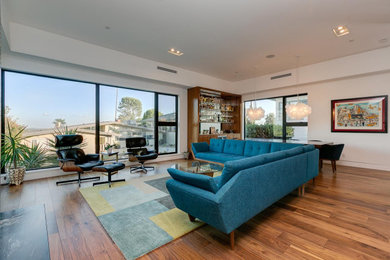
(221,151)
(255,175)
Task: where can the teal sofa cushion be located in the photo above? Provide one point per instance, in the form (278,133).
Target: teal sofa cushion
(232,167)
(234,147)
(294,151)
(216,145)
(275,147)
(253,148)
(199,147)
(218,157)
(308,148)
(198,180)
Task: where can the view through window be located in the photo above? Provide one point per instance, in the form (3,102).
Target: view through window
(46,107)
(275,124)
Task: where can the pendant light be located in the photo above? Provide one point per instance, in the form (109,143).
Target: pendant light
(299,110)
(255,113)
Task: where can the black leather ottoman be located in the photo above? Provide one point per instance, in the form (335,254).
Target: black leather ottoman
(109,169)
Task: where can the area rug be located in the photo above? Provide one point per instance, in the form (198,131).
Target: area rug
(23,234)
(139,214)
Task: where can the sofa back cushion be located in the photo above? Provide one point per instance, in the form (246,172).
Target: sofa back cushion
(234,147)
(198,180)
(232,167)
(200,147)
(216,145)
(294,151)
(276,147)
(253,148)
(308,148)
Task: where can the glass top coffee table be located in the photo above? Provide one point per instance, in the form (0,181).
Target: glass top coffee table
(198,167)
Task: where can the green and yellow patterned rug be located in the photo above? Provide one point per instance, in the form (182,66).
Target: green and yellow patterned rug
(139,214)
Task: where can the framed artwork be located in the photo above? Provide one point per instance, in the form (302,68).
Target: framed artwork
(365,114)
(212,130)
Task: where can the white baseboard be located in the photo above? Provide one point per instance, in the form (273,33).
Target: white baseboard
(362,165)
(55,172)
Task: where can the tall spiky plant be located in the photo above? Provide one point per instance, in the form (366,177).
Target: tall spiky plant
(62,131)
(35,157)
(13,149)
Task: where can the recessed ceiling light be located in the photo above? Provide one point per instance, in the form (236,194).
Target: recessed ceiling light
(175,52)
(340,30)
(270,56)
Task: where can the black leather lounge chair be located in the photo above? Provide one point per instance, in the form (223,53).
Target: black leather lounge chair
(136,148)
(73,159)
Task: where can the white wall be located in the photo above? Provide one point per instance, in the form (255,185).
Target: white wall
(367,150)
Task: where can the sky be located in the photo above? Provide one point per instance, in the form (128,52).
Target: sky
(36,101)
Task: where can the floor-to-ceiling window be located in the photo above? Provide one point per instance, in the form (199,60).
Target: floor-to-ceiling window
(275,124)
(46,107)
(103,115)
(125,113)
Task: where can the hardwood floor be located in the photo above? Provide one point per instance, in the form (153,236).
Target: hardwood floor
(344,216)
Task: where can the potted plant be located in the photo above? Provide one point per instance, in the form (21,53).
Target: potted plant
(13,151)
(108,147)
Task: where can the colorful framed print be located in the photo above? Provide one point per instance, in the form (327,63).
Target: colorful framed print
(365,115)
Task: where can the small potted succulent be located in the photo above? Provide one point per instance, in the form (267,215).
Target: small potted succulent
(13,151)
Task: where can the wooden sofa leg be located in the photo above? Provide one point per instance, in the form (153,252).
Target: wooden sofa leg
(192,219)
(314,181)
(232,239)
(303,190)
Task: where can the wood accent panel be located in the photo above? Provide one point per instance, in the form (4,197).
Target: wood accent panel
(194,120)
(193,116)
(345,216)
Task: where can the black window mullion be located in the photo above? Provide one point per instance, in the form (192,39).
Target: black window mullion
(97,118)
(176,126)
(156,111)
(297,124)
(2,113)
(284,127)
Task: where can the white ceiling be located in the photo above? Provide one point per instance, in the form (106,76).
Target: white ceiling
(227,39)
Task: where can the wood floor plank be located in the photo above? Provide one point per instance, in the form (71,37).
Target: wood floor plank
(344,216)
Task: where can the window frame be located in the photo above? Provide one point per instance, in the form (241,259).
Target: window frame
(162,123)
(284,120)
(97,109)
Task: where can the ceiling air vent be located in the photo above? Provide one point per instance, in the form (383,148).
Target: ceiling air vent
(281,76)
(166,69)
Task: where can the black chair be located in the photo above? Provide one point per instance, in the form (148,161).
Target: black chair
(73,159)
(331,152)
(136,150)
